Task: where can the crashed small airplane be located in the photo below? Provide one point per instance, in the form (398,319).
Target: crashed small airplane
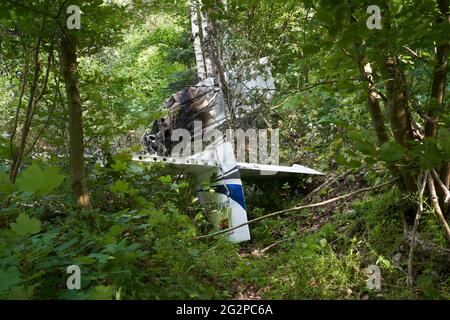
(208,103)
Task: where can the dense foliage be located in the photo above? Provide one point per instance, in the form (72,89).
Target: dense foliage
(136,236)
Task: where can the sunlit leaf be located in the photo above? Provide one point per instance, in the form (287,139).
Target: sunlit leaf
(39,181)
(25,225)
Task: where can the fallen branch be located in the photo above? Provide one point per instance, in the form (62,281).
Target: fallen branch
(275,244)
(313,205)
(422,183)
(328,182)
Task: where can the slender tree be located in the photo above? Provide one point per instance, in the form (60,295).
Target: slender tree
(68,46)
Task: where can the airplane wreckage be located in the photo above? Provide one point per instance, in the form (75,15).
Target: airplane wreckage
(217,102)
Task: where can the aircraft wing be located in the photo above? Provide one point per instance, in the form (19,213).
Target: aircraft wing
(218,165)
(265,170)
(245,169)
(186,164)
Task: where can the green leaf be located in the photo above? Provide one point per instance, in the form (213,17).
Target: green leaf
(5,186)
(4,150)
(366,148)
(102,293)
(9,278)
(362,143)
(116,230)
(135,169)
(119,166)
(85,260)
(20,293)
(101,258)
(354,164)
(165,179)
(39,181)
(310,49)
(392,151)
(25,226)
(120,187)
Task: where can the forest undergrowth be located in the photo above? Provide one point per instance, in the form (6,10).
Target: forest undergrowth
(139,242)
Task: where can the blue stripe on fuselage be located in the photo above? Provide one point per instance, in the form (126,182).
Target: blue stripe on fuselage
(236,193)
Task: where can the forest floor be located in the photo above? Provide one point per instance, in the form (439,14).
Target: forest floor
(140,241)
(351,234)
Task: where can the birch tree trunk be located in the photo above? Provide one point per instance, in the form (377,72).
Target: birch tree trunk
(207,44)
(194,7)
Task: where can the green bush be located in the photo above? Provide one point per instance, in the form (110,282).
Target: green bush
(137,243)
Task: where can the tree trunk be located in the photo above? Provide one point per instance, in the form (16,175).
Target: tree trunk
(208,50)
(445,178)
(69,71)
(439,73)
(17,155)
(445,175)
(437,90)
(373,103)
(438,86)
(398,115)
(396,103)
(215,49)
(195,26)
